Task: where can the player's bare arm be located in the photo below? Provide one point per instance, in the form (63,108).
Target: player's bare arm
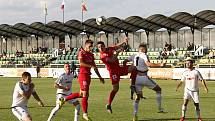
(205,86)
(118,45)
(98,74)
(179,85)
(36,97)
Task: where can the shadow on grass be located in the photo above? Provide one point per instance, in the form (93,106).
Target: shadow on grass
(176,119)
(6,108)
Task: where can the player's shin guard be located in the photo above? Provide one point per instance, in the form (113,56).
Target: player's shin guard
(159,99)
(184,109)
(197,111)
(111,97)
(77,110)
(84,104)
(73,96)
(136,103)
(53,112)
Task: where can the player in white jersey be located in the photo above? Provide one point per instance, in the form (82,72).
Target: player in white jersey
(191,89)
(142,62)
(63,85)
(22,92)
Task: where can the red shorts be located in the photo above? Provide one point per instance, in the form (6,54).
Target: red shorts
(115,76)
(84,81)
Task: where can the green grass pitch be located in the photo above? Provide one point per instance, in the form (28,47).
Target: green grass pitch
(122,105)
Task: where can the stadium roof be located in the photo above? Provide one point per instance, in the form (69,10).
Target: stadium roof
(112,25)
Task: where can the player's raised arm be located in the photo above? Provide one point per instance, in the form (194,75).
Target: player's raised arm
(36,97)
(118,45)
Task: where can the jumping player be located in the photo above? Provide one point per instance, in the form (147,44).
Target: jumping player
(86,60)
(142,62)
(109,58)
(63,85)
(191,90)
(22,92)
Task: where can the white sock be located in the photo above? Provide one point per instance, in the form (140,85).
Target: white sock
(159,98)
(136,103)
(53,112)
(77,110)
(184,108)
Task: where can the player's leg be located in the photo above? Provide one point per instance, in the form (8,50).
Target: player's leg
(77,109)
(57,107)
(133,80)
(138,87)
(187,96)
(73,96)
(84,84)
(195,97)
(111,96)
(152,85)
(184,109)
(21,113)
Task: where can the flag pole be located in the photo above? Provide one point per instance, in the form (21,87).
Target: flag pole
(63,15)
(45,13)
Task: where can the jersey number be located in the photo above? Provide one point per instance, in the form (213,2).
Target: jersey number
(137,59)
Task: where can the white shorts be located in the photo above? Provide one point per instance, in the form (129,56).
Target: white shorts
(20,112)
(142,81)
(58,96)
(191,94)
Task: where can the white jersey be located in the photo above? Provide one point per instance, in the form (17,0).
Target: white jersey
(18,99)
(191,79)
(66,81)
(139,61)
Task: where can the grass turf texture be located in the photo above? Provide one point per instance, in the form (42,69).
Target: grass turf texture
(122,105)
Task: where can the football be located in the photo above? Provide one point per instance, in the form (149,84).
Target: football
(100,20)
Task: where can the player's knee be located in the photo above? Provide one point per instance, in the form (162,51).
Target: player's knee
(76,103)
(138,97)
(28,118)
(116,89)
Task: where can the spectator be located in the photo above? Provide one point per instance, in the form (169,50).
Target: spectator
(38,70)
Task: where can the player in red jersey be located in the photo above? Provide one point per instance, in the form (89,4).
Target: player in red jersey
(86,60)
(109,58)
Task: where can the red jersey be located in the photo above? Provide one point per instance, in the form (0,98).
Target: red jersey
(87,57)
(112,67)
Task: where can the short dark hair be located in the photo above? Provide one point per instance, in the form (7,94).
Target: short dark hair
(25,75)
(143,45)
(89,41)
(100,42)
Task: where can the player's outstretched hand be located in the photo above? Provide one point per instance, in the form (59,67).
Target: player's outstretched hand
(102,80)
(40,103)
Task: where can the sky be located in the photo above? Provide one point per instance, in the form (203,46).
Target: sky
(29,11)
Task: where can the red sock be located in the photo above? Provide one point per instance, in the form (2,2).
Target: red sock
(73,96)
(84,104)
(111,97)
